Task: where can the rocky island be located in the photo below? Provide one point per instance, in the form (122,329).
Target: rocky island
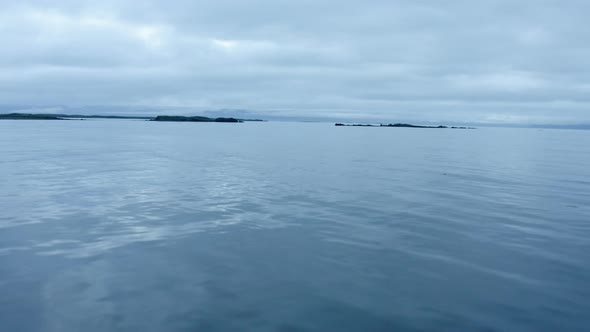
(399,125)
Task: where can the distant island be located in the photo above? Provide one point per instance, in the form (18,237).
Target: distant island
(172,118)
(399,125)
(175,118)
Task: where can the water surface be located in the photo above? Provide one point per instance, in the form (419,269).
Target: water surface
(140,226)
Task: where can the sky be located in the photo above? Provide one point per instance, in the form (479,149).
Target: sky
(485,61)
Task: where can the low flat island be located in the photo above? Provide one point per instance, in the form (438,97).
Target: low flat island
(175,118)
(24,116)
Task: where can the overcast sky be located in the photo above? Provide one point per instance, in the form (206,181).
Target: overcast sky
(453,60)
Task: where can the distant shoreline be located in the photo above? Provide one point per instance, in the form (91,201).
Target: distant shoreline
(32,116)
(159,118)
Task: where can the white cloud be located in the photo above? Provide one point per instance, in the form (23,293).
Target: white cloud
(511,81)
(225,44)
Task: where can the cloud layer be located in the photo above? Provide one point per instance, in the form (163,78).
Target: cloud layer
(471,61)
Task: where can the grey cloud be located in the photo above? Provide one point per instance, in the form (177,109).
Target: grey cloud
(481,61)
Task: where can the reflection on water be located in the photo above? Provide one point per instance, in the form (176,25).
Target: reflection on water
(133,225)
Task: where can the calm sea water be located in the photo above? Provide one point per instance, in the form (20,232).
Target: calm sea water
(143,226)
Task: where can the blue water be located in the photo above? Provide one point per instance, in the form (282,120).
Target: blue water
(140,226)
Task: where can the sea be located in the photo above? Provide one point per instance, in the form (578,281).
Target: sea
(130,225)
